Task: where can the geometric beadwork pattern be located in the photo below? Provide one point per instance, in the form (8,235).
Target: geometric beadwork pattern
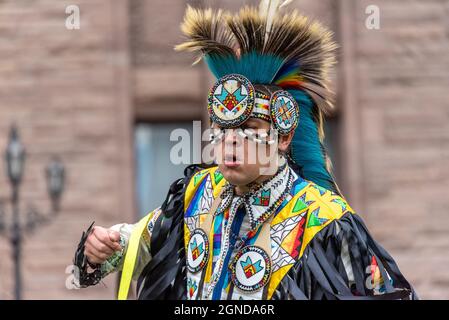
(281,230)
(306,196)
(206,197)
(342,203)
(218,176)
(231,101)
(284,112)
(299,206)
(191,222)
(315,220)
(280,258)
(293,241)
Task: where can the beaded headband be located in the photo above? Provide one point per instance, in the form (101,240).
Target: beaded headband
(233,100)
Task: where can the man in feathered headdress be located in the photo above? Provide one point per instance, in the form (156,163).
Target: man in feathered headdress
(246,228)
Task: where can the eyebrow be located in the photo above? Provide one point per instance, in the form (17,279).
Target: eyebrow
(250,122)
(254,122)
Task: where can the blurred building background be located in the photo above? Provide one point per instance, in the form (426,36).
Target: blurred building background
(106,97)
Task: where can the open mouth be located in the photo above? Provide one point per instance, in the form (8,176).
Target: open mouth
(231,160)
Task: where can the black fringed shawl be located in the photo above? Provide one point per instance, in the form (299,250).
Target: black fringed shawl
(319,274)
(164,277)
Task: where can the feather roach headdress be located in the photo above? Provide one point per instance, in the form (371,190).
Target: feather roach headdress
(265,47)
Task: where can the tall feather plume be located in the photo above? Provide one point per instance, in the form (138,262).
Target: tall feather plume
(287,50)
(248,27)
(308,53)
(207,33)
(268,9)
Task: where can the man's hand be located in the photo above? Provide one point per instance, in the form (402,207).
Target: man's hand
(101,244)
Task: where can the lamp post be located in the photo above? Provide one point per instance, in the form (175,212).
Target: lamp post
(15,164)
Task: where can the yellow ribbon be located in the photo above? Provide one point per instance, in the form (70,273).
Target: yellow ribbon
(130,257)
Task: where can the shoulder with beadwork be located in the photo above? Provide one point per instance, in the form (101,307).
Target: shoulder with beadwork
(324,207)
(330,202)
(206,178)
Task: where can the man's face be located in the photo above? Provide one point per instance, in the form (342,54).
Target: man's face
(242,160)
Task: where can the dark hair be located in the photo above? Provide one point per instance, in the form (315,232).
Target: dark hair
(292,164)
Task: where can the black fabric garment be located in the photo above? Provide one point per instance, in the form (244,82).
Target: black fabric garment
(320,274)
(164,277)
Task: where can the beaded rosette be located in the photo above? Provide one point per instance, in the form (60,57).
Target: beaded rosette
(251,269)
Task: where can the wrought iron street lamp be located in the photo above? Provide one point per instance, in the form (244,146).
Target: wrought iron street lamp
(55,174)
(15,164)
